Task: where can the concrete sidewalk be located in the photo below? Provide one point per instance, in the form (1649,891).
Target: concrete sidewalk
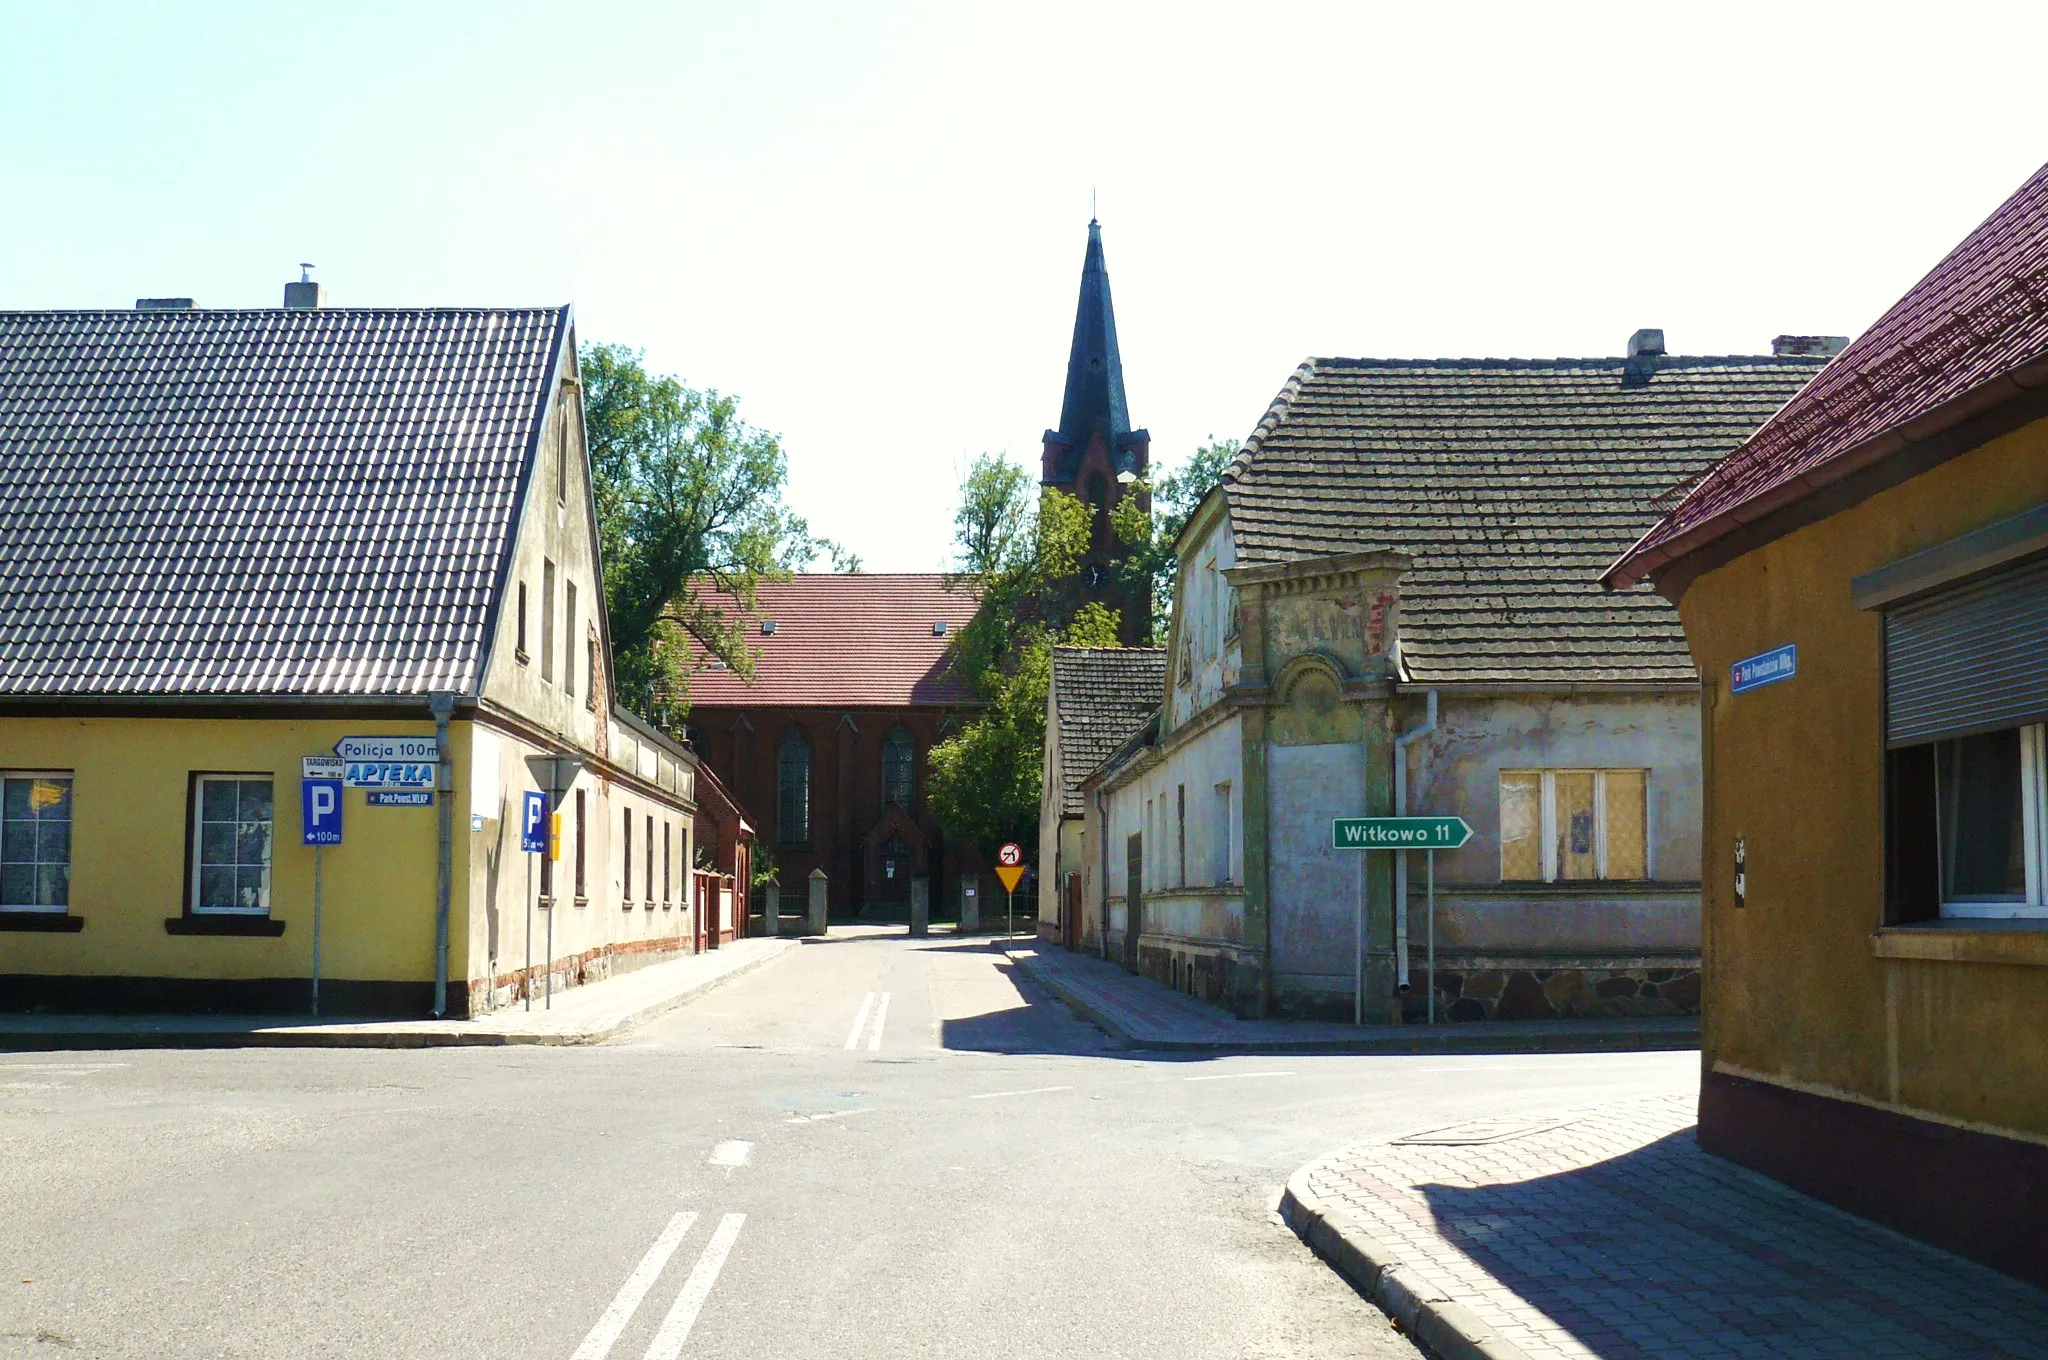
(579,1015)
(1146,1014)
(1607,1233)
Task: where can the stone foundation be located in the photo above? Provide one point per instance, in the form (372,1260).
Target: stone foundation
(1555,993)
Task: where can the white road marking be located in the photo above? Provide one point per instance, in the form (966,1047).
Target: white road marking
(64,1067)
(732,1152)
(828,1114)
(860,1020)
(881,1019)
(1234,1076)
(682,1314)
(1034,1091)
(620,1311)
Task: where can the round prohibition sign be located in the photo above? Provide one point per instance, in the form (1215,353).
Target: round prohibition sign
(1010,855)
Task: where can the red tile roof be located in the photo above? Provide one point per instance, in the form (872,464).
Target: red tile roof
(1971,334)
(847,641)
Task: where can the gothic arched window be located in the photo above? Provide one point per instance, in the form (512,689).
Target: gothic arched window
(793,789)
(899,769)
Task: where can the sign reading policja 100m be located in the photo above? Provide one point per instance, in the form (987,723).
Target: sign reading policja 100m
(387,762)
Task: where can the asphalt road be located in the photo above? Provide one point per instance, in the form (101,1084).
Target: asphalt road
(869,1148)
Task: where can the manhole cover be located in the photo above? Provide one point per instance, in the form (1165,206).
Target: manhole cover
(1480,1131)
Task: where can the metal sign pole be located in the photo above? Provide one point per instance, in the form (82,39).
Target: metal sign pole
(1010,912)
(318,854)
(528,988)
(1431,857)
(1358,948)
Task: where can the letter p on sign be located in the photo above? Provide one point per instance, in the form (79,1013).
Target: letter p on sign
(320,811)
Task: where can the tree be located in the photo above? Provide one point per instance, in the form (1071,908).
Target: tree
(1148,539)
(1020,558)
(691,519)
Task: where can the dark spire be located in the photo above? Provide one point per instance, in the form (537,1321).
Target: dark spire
(1095,370)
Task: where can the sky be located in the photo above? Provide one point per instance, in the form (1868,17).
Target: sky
(866,220)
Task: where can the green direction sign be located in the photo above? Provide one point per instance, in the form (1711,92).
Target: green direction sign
(1399,833)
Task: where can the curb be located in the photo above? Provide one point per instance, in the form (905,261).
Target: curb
(1391,1040)
(391,1038)
(1443,1328)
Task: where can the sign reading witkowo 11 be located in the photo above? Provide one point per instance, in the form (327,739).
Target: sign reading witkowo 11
(1399,833)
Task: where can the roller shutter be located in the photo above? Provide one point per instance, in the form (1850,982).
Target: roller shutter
(1973,658)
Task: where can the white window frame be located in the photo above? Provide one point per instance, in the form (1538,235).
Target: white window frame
(199,783)
(1547,822)
(2033,835)
(71,778)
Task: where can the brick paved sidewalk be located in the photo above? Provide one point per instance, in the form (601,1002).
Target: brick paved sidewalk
(1607,1232)
(1148,1014)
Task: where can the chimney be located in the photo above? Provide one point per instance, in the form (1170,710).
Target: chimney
(305,295)
(165,304)
(1821,346)
(1646,344)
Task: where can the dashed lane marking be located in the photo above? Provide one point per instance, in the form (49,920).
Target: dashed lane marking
(620,1311)
(881,1019)
(860,1020)
(682,1314)
(1235,1076)
(1033,1091)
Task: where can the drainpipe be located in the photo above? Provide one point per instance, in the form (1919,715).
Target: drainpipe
(1401,745)
(443,705)
(1102,836)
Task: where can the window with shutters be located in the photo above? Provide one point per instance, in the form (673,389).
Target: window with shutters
(1965,698)
(793,789)
(1573,825)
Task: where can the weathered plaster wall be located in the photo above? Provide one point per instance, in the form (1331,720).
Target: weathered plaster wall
(1203,654)
(1799,991)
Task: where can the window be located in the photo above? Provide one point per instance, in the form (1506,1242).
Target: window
(793,789)
(231,844)
(519,653)
(562,457)
(569,638)
(626,871)
(35,842)
(666,841)
(1977,807)
(647,888)
(547,620)
(899,769)
(590,674)
(1219,870)
(581,893)
(1180,816)
(1573,825)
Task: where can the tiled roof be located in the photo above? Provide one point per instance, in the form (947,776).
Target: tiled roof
(259,502)
(1511,483)
(1957,342)
(1102,695)
(848,641)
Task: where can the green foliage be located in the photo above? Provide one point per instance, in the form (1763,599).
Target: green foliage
(1148,539)
(689,499)
(1020,551)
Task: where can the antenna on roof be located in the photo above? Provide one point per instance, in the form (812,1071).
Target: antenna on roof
(1091,203)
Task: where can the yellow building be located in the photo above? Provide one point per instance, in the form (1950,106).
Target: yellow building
(239,539)
(1864,585)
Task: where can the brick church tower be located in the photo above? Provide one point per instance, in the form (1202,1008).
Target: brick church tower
(1095,454)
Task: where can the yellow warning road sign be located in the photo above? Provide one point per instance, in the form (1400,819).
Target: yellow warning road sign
(1011,875)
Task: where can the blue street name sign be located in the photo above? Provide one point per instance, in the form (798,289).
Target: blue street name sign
(1399,833)
(533,823)
(390,774)
(399,798)
(1765,668)
(320,811)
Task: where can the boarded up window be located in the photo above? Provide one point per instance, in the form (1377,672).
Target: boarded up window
(1627,850)
(1521,824)
(1578,841)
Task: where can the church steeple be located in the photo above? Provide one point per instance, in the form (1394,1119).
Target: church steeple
(1095,455)
(1094,403)
(1095,370)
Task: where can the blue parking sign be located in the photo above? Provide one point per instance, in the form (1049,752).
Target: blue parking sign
(320,811)
(533,822)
